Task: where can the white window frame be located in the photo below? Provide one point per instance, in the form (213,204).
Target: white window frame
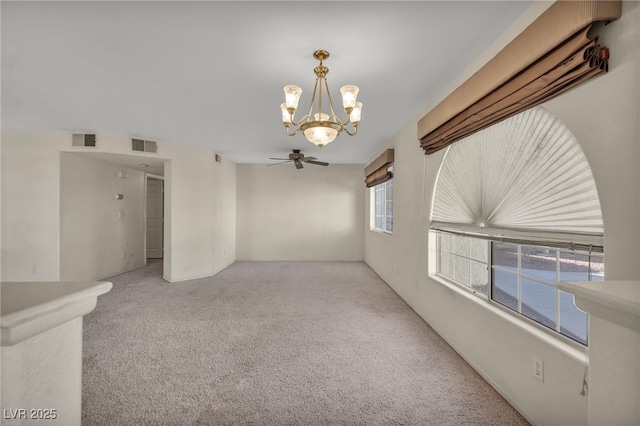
(387,225)
(488,294)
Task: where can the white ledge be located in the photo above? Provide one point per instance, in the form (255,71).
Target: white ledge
(614,301)
(31,308)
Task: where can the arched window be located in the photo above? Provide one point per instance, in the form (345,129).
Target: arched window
(516,210)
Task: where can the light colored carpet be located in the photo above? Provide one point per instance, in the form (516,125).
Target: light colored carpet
(274,343)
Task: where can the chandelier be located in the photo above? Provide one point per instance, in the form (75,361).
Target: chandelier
(321,128)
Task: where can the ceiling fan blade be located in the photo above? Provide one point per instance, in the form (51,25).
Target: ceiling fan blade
(299,165)
(307,159)
(272,158)
(318,163)
(275,164)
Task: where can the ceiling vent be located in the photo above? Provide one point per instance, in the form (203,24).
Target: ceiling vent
(84,139)
(144,146)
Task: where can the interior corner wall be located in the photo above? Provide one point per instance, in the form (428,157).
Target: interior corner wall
(603,114)
(199,205)
(223,186)
(315,213)
(100,235)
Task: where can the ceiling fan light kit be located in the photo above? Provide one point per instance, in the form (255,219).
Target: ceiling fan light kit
(321,128)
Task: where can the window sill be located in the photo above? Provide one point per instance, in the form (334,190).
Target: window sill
(574,350)
(381,231)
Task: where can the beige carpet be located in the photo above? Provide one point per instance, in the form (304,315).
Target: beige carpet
(274,343)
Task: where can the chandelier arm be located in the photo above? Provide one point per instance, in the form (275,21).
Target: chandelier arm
(355,130)
(304,117)
(286,130)
(338,120)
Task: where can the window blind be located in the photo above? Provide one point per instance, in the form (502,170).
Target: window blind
(523,178)
(379,171)
(552,55)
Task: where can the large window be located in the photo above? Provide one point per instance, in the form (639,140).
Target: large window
(382,206)
(522,278)
(516,210)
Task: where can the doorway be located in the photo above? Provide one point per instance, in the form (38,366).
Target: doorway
(154,217)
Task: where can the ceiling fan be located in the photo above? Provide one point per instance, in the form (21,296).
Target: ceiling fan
(298,158)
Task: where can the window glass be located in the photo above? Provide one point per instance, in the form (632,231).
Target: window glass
(529,287)
(461,270)
(446,264)
(596,268)
(538,262)
(539,302)
(461,245)
(478,249)
(573,321)
(574,267)
(445,242)
(479,276)
(505,289)
(505,255)
(382,202)
(521,278)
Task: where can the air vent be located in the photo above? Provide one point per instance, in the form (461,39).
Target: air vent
(84,139)
(144,146)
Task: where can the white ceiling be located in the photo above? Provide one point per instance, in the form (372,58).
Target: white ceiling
(211,73)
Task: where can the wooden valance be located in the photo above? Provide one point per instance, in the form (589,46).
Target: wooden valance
(378,171)
(552,55)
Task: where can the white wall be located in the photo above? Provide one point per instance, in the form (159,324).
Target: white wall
(100,236)
(315,213)
(603,114)
(31,206)
(199,205)
(200,208)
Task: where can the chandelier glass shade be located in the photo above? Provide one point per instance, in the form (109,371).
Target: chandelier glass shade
(321,128)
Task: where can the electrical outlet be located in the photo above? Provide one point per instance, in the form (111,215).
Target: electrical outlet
(538,369)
